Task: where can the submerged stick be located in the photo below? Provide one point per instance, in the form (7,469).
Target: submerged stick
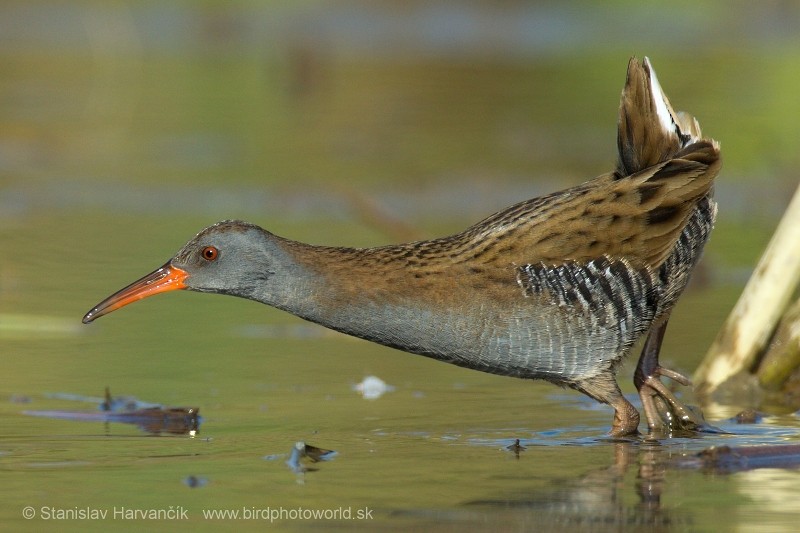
(763,302)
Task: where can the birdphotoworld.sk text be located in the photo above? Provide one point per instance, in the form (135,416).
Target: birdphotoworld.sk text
(178,512)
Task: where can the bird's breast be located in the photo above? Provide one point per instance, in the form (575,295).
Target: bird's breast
(527,338)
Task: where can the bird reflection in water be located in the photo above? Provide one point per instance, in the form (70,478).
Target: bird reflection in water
(596,500)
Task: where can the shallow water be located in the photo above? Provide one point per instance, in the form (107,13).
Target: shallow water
(124,131)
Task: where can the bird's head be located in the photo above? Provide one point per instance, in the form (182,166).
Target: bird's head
(230,257)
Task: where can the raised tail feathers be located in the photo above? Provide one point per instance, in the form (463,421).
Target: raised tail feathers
(665,159)
(650,131)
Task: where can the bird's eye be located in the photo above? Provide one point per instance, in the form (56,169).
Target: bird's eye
(209,253)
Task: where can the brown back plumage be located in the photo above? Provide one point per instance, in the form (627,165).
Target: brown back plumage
(637,212)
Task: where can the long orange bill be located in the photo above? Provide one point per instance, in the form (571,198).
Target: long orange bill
(166,278)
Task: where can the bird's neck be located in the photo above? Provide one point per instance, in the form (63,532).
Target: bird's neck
(329,284)
(373,294)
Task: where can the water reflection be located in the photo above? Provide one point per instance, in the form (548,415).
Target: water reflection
(599,500)
(596,501)
(727,459)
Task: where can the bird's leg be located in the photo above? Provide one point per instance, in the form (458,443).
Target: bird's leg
(647,379)
(604,389)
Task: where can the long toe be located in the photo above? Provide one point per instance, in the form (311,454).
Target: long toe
(675,376)
(663,410)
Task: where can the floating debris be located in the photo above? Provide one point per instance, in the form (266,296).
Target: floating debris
(748,416)
(312,454)
(516,447)
(372,388)
(20,398)
(195,482)
(149,417)
(156,420)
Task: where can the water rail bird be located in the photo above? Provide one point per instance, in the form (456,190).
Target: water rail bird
(557,288)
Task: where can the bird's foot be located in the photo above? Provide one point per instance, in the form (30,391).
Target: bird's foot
(626,420)
(663,410)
